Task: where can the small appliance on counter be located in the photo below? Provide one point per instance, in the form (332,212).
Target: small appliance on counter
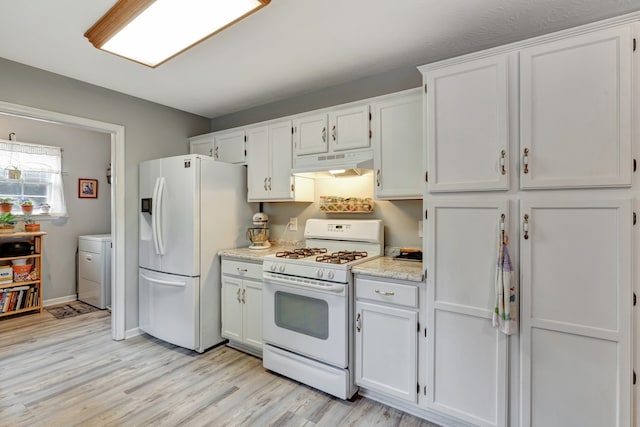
(259,233)
(409,255)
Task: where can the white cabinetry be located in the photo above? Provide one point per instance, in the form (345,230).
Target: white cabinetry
(269,165)
(397,139)
(575,105)
(344,128)
(242,304)
(386,337)
(466,358)
(576,313)
(227,146)
(467,125)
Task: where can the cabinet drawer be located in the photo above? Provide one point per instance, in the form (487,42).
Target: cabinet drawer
(243,269)
(392,293)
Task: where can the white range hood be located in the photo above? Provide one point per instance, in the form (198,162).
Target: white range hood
(352,163)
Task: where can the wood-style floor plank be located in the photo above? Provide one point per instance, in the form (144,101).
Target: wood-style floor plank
(69,372)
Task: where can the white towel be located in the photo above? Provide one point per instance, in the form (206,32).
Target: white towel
(504,313)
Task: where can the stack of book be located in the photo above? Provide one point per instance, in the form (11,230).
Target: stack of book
(18,298)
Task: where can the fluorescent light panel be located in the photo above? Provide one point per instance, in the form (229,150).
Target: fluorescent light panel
(152,32)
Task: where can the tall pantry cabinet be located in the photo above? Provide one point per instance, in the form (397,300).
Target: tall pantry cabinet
(535,138)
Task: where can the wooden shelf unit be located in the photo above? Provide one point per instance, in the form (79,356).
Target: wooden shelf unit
(36,239)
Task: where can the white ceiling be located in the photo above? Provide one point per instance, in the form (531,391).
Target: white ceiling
(288,48)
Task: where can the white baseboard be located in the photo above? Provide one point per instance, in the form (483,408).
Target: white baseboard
(60,300)
(132,333)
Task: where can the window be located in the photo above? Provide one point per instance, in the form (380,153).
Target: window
(39,177)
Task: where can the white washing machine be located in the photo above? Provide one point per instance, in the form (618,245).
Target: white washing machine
(94,270)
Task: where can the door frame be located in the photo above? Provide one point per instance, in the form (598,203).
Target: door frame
(116,133)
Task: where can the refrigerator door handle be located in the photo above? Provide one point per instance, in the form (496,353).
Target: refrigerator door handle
(164,282)
(159,217)
(154,218)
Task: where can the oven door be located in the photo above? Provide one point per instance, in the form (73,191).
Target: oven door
(306,317)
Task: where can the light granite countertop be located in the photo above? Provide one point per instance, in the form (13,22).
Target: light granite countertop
(253,254)
(394,269)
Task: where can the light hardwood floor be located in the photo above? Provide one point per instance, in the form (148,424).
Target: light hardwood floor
(70,373)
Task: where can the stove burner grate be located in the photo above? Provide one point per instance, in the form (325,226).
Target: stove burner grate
(341,257)
(301,253)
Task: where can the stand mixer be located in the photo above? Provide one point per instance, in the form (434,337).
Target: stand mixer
(259,233)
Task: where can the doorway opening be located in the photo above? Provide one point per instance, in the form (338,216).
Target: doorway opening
(116,133)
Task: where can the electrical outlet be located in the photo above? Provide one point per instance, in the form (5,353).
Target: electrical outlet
(293,224)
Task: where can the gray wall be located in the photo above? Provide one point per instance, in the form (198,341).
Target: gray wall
(86,154)
(151,131)
(393,81)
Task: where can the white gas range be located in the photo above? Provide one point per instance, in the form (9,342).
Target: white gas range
(308,303)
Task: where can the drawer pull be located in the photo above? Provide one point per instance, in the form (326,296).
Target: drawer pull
(238,296)
(385,293)
(358,323)
(241,270)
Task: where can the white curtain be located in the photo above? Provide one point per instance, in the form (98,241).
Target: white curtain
(37,158)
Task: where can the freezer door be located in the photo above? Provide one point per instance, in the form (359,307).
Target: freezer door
(169,308)
(169,234)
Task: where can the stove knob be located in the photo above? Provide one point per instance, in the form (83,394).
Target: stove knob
(273,267)
(281,268)
(319,273)
(330,275)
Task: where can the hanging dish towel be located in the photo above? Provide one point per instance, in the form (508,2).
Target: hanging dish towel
(504,313)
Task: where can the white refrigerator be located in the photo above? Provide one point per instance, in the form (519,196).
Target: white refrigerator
(191,207)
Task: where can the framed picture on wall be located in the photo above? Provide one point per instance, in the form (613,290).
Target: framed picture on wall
(87,188)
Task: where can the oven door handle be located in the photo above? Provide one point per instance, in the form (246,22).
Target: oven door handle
(338,289)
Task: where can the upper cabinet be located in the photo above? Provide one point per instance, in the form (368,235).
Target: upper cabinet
(397,140)
(229,146)
(575,111)
(338,129)
(225,146)
(467,125)
(269,165)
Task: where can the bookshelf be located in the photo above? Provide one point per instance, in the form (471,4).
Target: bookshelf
(24,295)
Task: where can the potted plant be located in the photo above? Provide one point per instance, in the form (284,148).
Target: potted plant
(6,204)
(26,205)
(7,222)
(30,224)
(45,208)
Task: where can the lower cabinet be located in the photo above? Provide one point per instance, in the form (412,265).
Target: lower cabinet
(386,337)
(242,304)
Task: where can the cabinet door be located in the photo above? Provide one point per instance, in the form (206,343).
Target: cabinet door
(232,308)
(252,316)
(258,153)
(311,134)
(468,126)
(229,147)
(575,104)
(466,360)
(576,314)
(397,140)
(281,157)
(386,350)
(349,128)
(201,145)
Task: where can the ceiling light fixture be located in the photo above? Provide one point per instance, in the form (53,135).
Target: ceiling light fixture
(151,32)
